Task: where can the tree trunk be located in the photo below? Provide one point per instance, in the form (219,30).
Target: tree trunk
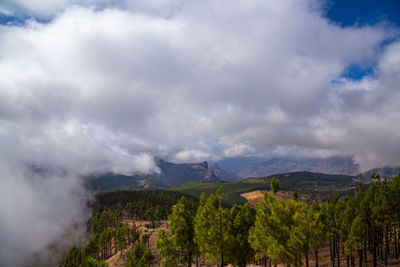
(374,260)
(347,261)
(396,255)
(398,243)
(220,231)
(316,257)
(332,247)
(307,262)
(189,259)
(365,251)
(360,259)
(387,244)
(338,251)
(222,257)
(381,243)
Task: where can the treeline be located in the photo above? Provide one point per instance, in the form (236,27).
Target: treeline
(140,204)
(357,229)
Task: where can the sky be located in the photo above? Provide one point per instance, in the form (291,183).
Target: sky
(94,86)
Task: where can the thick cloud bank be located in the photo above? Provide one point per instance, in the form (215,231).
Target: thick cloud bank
(102,86)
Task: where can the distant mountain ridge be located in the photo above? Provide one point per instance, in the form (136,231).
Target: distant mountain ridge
(387,172)
(180,173)
(242,167)
(259,167)
(170,174)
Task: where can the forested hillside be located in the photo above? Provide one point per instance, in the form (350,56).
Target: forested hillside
(358,230)
(317,184)
(112,231)
(362,228)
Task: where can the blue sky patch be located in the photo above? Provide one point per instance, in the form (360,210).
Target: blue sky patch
(357,72)
(11,20)
(363,12)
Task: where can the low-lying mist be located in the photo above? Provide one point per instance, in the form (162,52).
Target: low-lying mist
(43,201)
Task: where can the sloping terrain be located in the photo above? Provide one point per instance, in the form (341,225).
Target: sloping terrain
(170,174)
(256,196)
(387,172)
(119,259)
(174,173)
(111,181)
(258,166)
(317,184)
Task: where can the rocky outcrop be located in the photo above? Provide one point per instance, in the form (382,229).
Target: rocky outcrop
(180,173)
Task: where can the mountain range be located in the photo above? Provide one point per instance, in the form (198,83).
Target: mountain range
(170,174)
(260,166)
(233,169)
(387,172)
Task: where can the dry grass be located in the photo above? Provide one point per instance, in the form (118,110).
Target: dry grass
(256,196)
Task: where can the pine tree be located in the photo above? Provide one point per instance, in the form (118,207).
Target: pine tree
(210,228)
(77,257)
(178,245)
(275,234)
(319,234)
(140,256)
(260,231)
(129,209)
(295,195)
(274,185)
(239,251)
(355,241)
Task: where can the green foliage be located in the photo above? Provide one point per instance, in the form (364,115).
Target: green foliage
(274,185)
(310,183)
(295,194)
(241,219)
(105,219)
(358,233)
(232,190)
(211,233)
(168,262)
(140,256)
(152,205)
(104,244)
(153,214)
(178,245)
(77,258)
(282,231)
(316,216)
(146,239)
(278,230)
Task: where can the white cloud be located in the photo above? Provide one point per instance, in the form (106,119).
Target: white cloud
(102,87)
(191,156)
